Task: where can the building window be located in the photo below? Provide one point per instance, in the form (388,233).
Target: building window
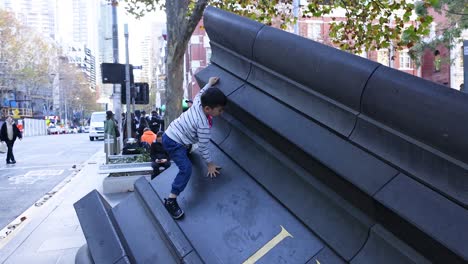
(206,41)
(208,55)
(462,54)
(314,31)
(382,57)
(195,40)
(195,64)
(405,60)
(437,61)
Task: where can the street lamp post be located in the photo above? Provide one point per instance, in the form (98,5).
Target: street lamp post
(127,82)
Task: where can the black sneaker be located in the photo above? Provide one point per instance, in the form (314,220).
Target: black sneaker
(173,208)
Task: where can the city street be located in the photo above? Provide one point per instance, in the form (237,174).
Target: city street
(42,163)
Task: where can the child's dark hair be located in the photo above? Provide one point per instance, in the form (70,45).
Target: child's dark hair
(159,134)
(213,97)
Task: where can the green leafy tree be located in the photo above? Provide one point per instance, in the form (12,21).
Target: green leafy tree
(448,33)
(372,25)
(26,59)
(368,25)
(75,90)
(182,18)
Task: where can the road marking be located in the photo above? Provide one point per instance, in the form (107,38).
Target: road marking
(32,177)
(43,173)
(268,246)
(11,167)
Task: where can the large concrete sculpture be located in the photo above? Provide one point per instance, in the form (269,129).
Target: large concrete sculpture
(327,158)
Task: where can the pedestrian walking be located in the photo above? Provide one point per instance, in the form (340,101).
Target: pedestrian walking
(9,133)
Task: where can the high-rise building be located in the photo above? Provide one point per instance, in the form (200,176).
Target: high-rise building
(146,53)
(105,48)
(38,14)
(78,35)
(105,33)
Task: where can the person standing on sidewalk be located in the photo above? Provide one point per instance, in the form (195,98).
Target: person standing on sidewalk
(193,126)
(111,132)
(9,133)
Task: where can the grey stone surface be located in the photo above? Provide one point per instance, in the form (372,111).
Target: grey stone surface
(167,225)
(383,247)
(96,220)
(336,223)
(144,242)
(326,255)
(303,98)
(437,224)
(229,218)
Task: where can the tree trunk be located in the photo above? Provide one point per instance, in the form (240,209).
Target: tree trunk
(179,30)
(174,89)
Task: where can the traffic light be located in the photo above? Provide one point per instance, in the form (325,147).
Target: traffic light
(123,92)
(142,93)
(139,91)
(115,73)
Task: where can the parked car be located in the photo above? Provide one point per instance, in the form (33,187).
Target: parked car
(62,130)
(86,129)
(52,130)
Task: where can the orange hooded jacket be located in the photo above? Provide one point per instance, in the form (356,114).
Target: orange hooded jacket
(148,137)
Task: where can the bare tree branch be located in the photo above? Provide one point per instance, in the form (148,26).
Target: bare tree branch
(455,13)
(196,15)
(189,25)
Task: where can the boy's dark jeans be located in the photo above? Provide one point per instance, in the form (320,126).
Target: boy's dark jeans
(178,154)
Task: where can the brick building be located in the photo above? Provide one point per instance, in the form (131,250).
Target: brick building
(435,64)
(197,57)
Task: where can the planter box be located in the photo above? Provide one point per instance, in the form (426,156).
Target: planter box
(121,184)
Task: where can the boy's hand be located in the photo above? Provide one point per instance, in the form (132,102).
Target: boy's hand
(213,170)
(213,80)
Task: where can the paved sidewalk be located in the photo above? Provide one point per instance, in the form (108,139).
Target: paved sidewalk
(53,233)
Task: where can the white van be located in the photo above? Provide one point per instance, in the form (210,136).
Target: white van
(96,125)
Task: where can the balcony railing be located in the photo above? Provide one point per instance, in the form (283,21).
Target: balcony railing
(16,112)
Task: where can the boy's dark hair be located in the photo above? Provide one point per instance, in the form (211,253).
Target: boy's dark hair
(159,134)
(213,97)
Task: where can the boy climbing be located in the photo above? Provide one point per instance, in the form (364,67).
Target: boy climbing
(192,126)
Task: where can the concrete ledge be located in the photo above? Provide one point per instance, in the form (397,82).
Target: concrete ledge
(125,167)
(121,184)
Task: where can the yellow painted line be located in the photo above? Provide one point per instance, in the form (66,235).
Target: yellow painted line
(268,246)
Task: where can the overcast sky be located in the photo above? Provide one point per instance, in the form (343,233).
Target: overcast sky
(138,29)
